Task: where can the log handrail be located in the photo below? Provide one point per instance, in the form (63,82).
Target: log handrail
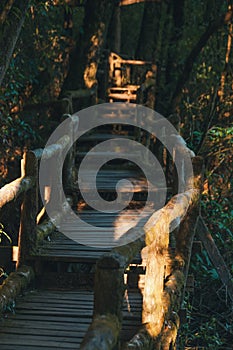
(30,232)
(163,289)
(14,189)
(15,284)
(27,185)
(109,279)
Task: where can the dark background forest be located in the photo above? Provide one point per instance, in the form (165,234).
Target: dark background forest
(47,48)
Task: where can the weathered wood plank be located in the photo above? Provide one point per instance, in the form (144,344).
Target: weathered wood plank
(54,319)
(60,324)
(31,341)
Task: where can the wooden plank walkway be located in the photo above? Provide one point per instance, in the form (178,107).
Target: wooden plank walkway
(61,248)
(47,319)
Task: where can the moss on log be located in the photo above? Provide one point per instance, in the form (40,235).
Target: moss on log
(54,149)
(48,226)
(121,257)
(162,334)
(102,334)
(141,341)
(185,234)
(109,291)
(161,222)
(109,278)
(160,303)
(14,285)
(43,230)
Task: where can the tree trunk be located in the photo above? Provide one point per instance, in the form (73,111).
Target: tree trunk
(84,60)
(177,20)
(149,31)
(10,29)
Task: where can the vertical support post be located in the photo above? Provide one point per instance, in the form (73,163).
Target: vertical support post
(185,234)
(109,293)
(109,288)
(68,164)
(174,119)
(55,184)
(153,313)
(69,172)
(29,210)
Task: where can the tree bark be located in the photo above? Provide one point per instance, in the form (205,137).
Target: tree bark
(10,33)
(85,59)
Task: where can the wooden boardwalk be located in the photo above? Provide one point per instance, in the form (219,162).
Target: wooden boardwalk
(87,293)
(47,319)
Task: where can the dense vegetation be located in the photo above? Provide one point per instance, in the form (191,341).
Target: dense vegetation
(190,41)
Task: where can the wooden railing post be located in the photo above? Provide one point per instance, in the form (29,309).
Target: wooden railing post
(159,285)
(154,280)
(108,296)
(69,169)
(29,210)
(185,234)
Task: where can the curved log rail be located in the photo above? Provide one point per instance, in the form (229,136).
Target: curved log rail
(165,277)
(31,233)
(27,184)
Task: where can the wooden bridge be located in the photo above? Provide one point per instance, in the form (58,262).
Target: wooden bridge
(68,295)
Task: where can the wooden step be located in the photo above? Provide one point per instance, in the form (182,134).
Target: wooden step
(63,249)
(95,138)
(106,181)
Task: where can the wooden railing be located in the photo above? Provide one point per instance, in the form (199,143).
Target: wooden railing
(31,232)
(166,267)
(166,272)
(26,188)
(27,185)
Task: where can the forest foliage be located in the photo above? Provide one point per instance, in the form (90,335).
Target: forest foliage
(190,42)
